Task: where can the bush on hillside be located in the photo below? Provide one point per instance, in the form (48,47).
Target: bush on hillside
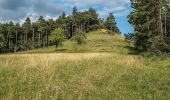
(79,37)
(110,32)
(159,45)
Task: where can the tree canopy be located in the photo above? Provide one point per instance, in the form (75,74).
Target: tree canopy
(57,36)
(39,34)
(150,19)
(111,23)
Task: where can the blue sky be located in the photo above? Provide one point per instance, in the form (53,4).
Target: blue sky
(18,10)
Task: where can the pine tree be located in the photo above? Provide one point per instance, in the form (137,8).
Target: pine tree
(111,24)
(17,30)
(27,30)
(36,35)
(42,31)
(1,37)
(150,25)
(75,11)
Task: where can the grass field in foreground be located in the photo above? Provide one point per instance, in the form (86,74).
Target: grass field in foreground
(110,75)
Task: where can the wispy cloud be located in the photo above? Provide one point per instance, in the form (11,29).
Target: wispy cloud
(17,10)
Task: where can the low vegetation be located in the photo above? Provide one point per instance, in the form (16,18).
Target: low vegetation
(103,71)
(95,41)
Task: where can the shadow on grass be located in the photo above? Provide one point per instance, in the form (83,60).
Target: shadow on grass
(148,55)
(132,50)
(61,50)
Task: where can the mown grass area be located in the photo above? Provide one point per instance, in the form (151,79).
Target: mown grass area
(107,74)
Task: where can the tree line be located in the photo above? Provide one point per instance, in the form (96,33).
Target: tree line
(31,35)
(151,22)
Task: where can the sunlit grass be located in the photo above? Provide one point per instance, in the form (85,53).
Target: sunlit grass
(110,73)
(96,41)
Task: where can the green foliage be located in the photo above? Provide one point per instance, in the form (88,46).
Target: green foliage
(159,45)
(104,68)
(129,36)
(57,36)
(75,11)
(79,38)
(1,41)
(32,35)
(1,36)
(95,41)
(26,32)
(149,19)
(110,24)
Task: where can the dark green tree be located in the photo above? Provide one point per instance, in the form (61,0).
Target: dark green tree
(1,41)
(75,11)
(27,31)
(1,37)
(42,26)
(149,19)
(111,24)
(30,35)
(79,37)
(16,37)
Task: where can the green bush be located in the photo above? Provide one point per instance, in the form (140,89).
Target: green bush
(1,41)
(57,36)
(94,27)
(79,37)
(110,32)
(159,45)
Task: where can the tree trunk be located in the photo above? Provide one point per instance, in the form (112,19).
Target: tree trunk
(33,39)
(9,45)
(16,41)
(39,40)
(72,29)
(165,24)
(26,41)
(46,38)
(160,23)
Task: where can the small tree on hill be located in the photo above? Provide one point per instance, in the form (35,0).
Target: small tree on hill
(57,36)
(79,38)
(111,24)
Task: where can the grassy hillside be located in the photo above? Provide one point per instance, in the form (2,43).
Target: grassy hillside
(96,41)
(102,71)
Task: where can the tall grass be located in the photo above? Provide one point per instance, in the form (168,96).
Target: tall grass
(91,76)
(114,75)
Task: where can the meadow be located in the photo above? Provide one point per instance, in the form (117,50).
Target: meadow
(101,69)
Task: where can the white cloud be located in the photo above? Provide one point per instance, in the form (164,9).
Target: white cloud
(118,7)
(17,10)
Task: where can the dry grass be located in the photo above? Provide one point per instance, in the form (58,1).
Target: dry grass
(78,76)
(85,76)
(33,60)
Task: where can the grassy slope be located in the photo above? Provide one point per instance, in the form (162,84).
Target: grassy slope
(106,74)
(97,41)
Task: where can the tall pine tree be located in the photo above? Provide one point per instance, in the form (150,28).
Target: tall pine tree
(111,24)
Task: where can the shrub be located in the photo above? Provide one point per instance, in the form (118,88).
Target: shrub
(159,45)
(79,37)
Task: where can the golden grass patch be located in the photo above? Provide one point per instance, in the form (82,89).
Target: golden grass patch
(33,60)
